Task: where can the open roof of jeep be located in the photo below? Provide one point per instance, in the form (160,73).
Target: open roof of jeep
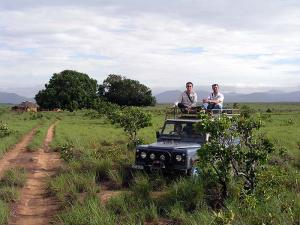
(176,114)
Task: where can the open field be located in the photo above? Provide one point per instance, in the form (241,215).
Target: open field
(94,184)
(17,124)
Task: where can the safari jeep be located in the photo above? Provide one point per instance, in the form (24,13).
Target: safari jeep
(175,149)
(177,144)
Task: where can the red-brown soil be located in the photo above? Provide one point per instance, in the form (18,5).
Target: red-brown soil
(35,207)
(18,151)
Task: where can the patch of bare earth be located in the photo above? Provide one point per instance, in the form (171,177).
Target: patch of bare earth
(19,150)
(35,207)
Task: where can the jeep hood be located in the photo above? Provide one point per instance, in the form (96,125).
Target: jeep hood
(170,145)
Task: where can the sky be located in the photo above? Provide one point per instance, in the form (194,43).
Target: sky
(244,45)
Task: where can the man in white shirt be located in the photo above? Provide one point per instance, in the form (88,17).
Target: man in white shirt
(215,99)
(188,98)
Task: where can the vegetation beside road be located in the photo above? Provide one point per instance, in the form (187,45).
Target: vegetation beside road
(96,146)
(97,162)
(10,184)
(13,125)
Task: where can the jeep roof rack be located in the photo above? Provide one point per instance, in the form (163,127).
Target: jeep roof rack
(176,113)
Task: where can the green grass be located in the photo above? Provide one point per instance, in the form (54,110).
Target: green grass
(4,212)
(10,183)
(85,132)
(14,177)
(95,150)
(40,134)
(89,212)
(68,185)
(19,124)
(9,194)
(284,129)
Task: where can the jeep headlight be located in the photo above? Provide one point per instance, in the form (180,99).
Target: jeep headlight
(143,155)
(178,158)
(152,156)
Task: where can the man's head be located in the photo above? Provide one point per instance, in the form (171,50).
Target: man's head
(189,86)
(215,88)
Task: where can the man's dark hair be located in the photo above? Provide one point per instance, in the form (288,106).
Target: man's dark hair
(189,83)
(215,85)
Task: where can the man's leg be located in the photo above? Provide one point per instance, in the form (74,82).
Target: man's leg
(211,106)
(217,108)
(205,105)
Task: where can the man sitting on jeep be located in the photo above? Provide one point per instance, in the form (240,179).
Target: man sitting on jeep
(188,98)
(214,100)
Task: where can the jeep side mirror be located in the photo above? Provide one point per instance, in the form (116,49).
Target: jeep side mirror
(157,134)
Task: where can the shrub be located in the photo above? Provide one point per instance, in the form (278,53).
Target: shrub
(68,152)
(131,119)
(268,110)
(4,130)
(233,149)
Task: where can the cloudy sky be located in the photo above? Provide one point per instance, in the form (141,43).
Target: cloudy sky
(248,45)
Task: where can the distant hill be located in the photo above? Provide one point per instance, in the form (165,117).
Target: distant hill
(12,98)
(172,96)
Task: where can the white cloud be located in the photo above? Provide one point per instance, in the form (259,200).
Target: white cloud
(240,43)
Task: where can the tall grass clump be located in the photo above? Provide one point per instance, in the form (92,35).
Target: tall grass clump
(9,194)
(89,212)
(4,213)
(132,210)
(14,177)
(178,214)
(141,187)
(187,193)
(67,186)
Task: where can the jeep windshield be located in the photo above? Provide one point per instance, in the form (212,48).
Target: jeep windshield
(181,129)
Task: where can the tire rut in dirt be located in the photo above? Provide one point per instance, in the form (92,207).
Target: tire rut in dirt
(35,206)
(17,153)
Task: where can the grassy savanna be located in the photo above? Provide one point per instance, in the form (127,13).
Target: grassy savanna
(95,152)
(41,131)
(14,125)
(10,184)
(86,132)
(97,159)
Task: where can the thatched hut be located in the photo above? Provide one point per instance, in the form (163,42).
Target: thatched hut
(26,107)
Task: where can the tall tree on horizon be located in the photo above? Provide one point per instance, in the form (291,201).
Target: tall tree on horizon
(123,91)
(69,90)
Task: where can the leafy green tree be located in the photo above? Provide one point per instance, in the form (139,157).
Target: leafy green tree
(233,148)
(69,90)
(253,150)
(131,119)
(123,91)
(104,108)
(218,153)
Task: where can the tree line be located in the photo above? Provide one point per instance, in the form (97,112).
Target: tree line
(72,90)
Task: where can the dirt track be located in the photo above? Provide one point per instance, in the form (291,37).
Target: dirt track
(34,206)
(8,160)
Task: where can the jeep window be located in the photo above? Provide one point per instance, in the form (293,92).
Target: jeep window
(181,129)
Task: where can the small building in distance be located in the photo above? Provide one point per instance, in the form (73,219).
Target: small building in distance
(26,107)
